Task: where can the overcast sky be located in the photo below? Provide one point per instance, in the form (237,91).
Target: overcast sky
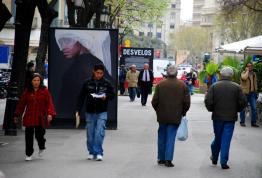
(186,9)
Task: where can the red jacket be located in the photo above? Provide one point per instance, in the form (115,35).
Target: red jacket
(34,106)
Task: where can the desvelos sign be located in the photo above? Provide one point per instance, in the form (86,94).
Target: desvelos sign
(139,52)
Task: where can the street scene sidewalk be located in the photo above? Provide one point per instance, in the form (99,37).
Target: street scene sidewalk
(130,151)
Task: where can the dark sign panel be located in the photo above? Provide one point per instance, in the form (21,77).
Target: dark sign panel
(137,56)
(72,56)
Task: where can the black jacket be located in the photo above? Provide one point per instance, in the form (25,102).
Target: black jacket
(95,105)
(140,77)
(225,98)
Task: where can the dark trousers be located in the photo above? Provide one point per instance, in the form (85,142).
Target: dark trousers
(145,90)
(29,139)
(122,88)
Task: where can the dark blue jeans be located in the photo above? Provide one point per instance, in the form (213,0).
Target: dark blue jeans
(132,93)
(251,98)
(166,141)
(223,134)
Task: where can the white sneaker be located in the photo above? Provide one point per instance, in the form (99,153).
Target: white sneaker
(99,157)
(28,158)
(90,157)
(41,153)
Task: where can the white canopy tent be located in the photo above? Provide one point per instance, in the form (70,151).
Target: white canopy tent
(248,46)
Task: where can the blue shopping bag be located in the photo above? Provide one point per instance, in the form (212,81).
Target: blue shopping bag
(182,132)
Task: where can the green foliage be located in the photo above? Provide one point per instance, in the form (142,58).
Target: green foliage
(235,65)
(130,14)
(240,25)
(194,39)
(258,70)
(201,76)
(211,68)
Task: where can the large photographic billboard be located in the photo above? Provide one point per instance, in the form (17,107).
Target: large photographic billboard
(72,56)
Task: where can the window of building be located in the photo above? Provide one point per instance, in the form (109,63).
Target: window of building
(173,5)
(172,16)
(141,33)
(149,34)
(172,26)
(150,25)
(158,34)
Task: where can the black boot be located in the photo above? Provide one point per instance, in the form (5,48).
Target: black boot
(224,166)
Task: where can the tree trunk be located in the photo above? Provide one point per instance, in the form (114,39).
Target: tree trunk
(24,18)
(47,15)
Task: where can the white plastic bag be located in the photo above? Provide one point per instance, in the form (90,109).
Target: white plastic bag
(182,131)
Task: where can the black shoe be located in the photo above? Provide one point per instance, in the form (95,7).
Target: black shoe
(224,166)
(214,162)
(242,124)
(161,162)
(254,125)
(169,164)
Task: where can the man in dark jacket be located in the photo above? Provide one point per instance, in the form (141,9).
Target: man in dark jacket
(95,93)
(122,79)
(145,82)
(224,99)
(171,101)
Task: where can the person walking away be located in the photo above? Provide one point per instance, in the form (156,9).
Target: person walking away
(248,83)
(132,79)
(190,80)
(145,82)
(122,79)
(37,108)
(224,99)
(95,93)
(30,70)
(171,101)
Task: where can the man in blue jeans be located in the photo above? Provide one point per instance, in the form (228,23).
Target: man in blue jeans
(170,106)
(249,87)
(95,93)
(224,99)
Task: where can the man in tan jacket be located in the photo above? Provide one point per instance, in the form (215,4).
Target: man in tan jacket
(249,87)
(171,102)
(132,79)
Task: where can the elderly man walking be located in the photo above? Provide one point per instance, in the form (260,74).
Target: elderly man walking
(171,101)
(132,79)
(224,99)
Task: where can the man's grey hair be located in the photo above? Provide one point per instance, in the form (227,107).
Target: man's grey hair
(172,71)
(226,72)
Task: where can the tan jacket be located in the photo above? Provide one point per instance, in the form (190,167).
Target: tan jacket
(132,78)
(171,101)
(246,82)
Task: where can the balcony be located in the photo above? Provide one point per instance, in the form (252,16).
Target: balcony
(10,23)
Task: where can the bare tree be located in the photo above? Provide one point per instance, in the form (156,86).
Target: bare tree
(231,5)
(85,10)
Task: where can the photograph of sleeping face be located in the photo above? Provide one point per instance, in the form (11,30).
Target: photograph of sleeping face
(73,54)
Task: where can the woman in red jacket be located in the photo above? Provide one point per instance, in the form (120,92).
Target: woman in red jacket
(36,107)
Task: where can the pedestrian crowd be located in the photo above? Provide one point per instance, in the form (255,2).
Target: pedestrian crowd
(171,102)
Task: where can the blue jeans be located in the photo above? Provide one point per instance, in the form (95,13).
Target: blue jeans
(191,89)
(223,134)
(251,98)
(166,141)
(95,132)
(132,93)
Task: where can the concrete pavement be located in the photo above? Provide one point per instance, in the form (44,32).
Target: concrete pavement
(130,151)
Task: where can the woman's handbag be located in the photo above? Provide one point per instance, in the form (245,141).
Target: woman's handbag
(182,132)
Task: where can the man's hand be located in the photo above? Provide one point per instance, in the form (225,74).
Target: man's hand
(103,98)
(15,120)
(77,119)
(49,118)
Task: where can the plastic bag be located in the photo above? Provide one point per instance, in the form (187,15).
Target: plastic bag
(182,132)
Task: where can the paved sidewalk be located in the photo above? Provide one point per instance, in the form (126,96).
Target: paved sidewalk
(130,151)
